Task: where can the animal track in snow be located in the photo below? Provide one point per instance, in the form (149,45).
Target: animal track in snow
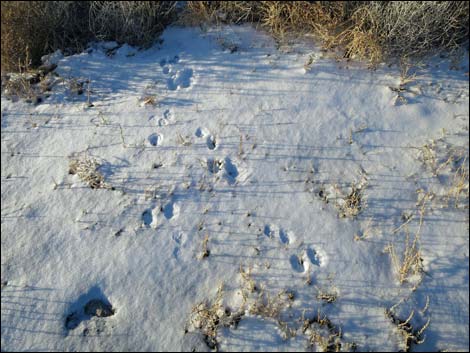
(173,60)
(283,237)
(180,240)
(297,263)
(211,142)
(286,237)
(227,169)
(155,139)
(302,262)
(180,79)
(214,165)
(149,218)
(167,116)
(316,257)
(267,231)
(201,132)
(177,78)
(230,171)
(171,210)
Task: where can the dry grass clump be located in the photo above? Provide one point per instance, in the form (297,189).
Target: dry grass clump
(416,27)
(327,296)
(30,85)
(349,198)
(411,335)
(410,263)
(31,29)
(305,17)
(368,30)
(371,30)
(205,249)
(460,185)
(450,163)
(87,170)
(200,12)
(353,203)
(322,334)
(133,22)
(409,267)
(18,86)
(208,317)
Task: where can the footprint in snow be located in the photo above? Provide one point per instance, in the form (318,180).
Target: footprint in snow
(230,171)
(316,256)
(297,263)
(149,218)
(267,231)
(181,79)
(180,240)
(167,114)
(171,210)
(155,139)
(200,132)
(286,237)
(172,60)
(165,120)
(211,142)
(214,165)
(303,262)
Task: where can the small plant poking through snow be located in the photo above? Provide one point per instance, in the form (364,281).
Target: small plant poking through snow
(205,250)
(353,203)
(322,334)
(184,140)
(208,317)
(409,267)
(448,162)
(87,170)
(327,297)
(405,327)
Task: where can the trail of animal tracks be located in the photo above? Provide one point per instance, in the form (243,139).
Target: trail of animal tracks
(297,186)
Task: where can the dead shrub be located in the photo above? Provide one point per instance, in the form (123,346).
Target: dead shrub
(366,30)
(133,22)
(200,12)
(31,29)
(87,170)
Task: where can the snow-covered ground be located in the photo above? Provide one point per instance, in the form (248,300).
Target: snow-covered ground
(227,159)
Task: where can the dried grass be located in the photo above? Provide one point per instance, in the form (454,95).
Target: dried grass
(409,266)
(371,30)
(209,316)
(87,170)
(353,203)
(201,12)
(31,29)
(451,162)
(34,28)
(410,335)
(322,334)
(133,22)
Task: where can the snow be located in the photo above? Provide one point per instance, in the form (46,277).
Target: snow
(225,133)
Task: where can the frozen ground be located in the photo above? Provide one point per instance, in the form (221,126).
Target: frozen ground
(226,161)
